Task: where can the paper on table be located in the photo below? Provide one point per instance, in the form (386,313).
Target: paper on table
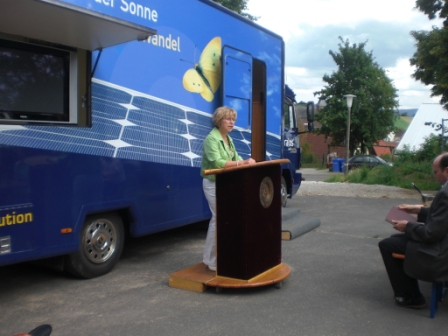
(397,214)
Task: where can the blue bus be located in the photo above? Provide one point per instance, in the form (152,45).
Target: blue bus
(104,105)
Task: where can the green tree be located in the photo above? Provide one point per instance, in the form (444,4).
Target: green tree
(238,6)
(373,110)
(431,57)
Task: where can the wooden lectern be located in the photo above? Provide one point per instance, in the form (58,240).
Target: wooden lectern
(248,206)
(248,228)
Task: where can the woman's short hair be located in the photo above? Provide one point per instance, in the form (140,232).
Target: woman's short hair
(221,113)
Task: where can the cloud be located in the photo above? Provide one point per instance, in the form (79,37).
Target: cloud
(311,29)
(387,41)
(283,17)
(308,58)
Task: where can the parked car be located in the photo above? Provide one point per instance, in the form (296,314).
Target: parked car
(366,160)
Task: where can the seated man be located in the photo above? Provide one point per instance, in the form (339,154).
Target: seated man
(425,246)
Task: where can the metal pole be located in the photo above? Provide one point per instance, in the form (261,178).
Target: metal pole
(442,140)
(347,142)
(349,98)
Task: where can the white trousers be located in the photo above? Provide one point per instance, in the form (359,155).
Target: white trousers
(209,254)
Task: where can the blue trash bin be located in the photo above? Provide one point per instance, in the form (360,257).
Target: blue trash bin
(336,165)
(342,165)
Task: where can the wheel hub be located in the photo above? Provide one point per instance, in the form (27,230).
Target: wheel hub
(99,241)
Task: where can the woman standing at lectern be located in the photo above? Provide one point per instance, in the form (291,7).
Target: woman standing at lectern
(218,151)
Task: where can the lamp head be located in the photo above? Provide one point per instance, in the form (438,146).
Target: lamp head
(349,98)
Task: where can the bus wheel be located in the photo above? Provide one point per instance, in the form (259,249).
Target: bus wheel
(102,238)
(284,192)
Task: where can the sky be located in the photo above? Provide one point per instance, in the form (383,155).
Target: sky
(311,29)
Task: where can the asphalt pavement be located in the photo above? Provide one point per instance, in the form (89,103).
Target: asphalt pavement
(338,286)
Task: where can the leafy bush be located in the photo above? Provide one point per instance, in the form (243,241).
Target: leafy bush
(387,157)
(409,167)
(426,153)
(398,176)
(307,156)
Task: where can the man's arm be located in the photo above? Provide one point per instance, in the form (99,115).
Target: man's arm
(436,224)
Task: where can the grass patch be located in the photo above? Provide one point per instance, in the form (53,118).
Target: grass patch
(313,165)
(402,123)
(336,179)
(400,175)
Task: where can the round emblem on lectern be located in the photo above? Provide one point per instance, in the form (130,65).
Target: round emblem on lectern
(266,192)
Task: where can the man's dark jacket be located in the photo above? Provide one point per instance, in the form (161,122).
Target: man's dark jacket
(427,249)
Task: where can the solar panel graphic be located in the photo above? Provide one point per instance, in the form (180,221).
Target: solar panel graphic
(131,125)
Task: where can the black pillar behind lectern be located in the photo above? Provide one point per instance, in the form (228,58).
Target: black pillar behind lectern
(248,205)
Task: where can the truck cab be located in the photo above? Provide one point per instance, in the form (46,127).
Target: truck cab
(291,144)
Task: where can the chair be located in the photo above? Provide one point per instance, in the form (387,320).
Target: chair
(438,291)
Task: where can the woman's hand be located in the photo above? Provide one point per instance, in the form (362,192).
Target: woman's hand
(249,161)
(411,208)
(240,162)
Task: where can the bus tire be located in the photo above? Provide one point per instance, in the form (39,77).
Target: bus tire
(284,192)
(101,244)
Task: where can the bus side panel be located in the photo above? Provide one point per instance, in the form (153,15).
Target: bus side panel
(161,65)
(49,191)
(144,147)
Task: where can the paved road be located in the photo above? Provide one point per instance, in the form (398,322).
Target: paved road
(338,286)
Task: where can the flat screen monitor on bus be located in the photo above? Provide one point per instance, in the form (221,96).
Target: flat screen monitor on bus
(39,84)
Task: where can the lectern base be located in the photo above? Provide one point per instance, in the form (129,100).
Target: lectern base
(196,278)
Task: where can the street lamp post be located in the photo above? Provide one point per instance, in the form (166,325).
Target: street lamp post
(439,127)
(442,142)
(349,98)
